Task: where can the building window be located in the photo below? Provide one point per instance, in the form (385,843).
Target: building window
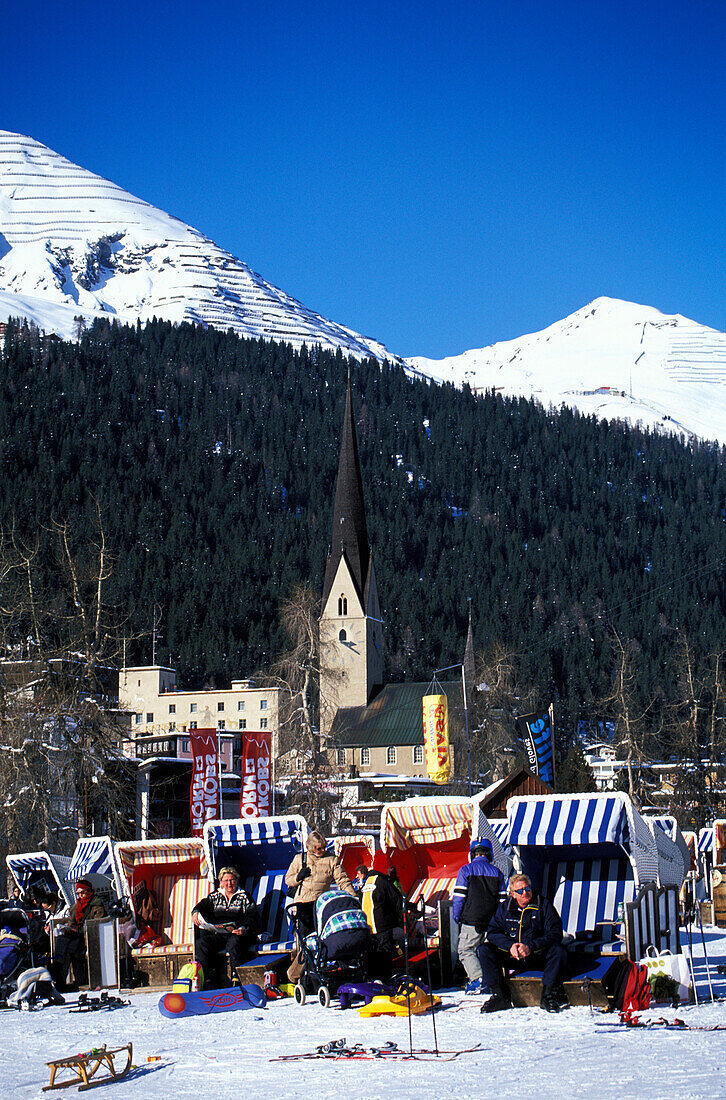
(172,727)
(139,683)
(220,707)
(263,723)
(342,605)
(220,724)
(241,705)
(263,704)
(192,725)
(138,719)
(243,723)
(342,637)
(300,763)
(391,754)
(365,757)
(185,746)
(172,708)
(149,717)
(193,709)
(341,756)
(418,754)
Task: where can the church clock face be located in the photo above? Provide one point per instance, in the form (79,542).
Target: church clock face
(355,635)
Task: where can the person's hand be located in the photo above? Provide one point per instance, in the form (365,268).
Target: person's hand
(303,874)
(195,919)
(238,931)
(514,950)
(524,951)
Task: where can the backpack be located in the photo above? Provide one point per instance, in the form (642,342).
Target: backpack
(190,978)
(627,986)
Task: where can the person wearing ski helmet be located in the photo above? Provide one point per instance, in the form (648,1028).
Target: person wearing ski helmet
(480,886)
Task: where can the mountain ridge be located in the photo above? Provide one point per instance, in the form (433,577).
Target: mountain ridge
(613,359)
(76,240)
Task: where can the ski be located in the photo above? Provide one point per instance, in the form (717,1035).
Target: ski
(95,1004)
(372,1054)
(660,1023)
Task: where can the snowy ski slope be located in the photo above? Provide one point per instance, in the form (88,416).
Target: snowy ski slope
(73,240)
(612,359)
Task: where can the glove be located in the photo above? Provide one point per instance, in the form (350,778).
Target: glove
(303,874)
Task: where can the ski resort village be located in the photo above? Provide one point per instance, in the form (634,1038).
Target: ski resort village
(362,716)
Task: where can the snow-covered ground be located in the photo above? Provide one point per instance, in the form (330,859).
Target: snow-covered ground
(523,1052)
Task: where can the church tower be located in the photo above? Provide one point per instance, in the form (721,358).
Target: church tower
(351,632)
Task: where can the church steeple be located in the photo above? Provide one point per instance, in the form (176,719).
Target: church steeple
(349,531)
(351,631)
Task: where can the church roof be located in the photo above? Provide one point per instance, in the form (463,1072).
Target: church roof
(393,717)
(349,531)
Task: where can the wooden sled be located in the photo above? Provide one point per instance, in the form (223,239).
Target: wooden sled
(85,1066)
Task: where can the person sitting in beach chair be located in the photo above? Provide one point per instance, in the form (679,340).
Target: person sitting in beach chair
(228,921)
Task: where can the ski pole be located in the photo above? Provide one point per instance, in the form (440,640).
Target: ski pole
(428,969)
(705,956)
(408,975)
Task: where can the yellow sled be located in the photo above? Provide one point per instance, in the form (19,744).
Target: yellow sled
(400,1004)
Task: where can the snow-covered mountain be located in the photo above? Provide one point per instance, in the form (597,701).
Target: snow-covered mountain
(612,359)
(72,243)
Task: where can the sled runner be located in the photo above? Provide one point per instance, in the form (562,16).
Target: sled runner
(85,1066)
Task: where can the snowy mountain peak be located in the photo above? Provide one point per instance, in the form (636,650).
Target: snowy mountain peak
(79,244)
(613,359)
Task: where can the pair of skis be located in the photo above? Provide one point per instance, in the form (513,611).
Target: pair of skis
(338,1050)
(661,1023)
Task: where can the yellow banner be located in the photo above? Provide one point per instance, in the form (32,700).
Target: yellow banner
(436,737)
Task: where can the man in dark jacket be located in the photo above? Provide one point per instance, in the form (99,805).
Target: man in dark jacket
(382,904)
(480,886)
(227,920)
(525,933)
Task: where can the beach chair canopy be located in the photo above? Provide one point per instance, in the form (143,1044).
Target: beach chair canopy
(586,853)
(674,859)
(178,872)
(705,839)
(354,849)
(43,869)
(94,855)
(261,849)
(427,840)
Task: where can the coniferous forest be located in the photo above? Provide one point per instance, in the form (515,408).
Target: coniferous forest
(213,460)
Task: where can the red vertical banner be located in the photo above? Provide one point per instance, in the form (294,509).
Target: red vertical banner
(204,791)
(254,799)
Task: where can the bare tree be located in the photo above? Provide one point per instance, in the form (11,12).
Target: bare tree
(695,733)
(61,767)
(499,696)
(301,753)
(633,720)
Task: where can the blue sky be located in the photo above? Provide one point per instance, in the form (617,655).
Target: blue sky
(436,176)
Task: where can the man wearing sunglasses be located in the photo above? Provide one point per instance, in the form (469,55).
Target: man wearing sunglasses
(525,933)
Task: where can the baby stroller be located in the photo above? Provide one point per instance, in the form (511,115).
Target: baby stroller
(338,952)
(15,951)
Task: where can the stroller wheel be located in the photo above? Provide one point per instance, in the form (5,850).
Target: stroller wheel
(300,994)
(324,996)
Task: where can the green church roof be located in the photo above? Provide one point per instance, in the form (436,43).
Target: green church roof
(393,717)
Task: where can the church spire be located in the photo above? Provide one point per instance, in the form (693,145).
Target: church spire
(349,532)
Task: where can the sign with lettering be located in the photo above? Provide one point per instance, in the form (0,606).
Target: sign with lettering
(255,774)
(436,737)
(204,800)
(537,733)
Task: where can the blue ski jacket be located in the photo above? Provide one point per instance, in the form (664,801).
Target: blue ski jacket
(479,888)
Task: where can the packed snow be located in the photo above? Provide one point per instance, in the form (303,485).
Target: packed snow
(83,245)
(611,359)
(521,1052)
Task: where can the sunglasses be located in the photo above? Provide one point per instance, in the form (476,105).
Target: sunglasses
(524,890)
